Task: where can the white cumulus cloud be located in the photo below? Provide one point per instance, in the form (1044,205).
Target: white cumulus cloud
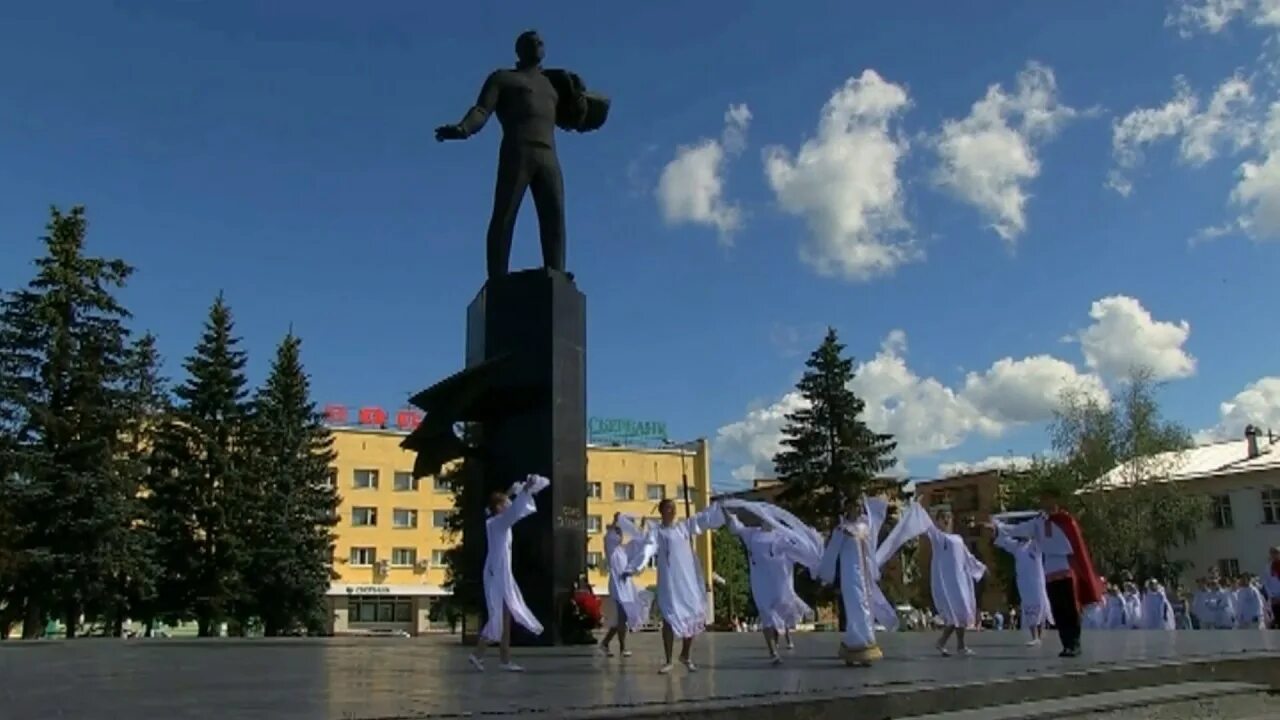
(993,462)
(988,158)
(923,414)
(844,182)
(1258,404)
(1225,123)
(1124,336)
(1257,193)
(1191,17)
(691,188)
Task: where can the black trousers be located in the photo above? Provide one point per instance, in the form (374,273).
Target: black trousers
(1275,615)
(1066,613)
(525,166)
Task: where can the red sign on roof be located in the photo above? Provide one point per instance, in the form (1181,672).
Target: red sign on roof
(373,416)
(336,414)
(408,419)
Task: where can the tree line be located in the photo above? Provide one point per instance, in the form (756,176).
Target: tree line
(829,456)
(125,497)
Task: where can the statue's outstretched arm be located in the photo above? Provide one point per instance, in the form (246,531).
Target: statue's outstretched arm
(476,117)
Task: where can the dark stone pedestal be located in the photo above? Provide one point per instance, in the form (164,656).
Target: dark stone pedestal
(536,320)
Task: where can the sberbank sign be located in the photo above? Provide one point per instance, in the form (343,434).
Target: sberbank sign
(624,429)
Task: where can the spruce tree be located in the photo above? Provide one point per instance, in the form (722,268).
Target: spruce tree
(829,454)
(198,493)
(63,353)
(290,537)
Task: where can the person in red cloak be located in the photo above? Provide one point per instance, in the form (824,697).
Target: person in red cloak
(1070,582)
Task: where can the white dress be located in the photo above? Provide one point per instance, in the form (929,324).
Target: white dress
(1251,608)
(634,604)
(1095,616)
(1114,612)
(500,589)
(1133,610)
(1029,568)
(1157,611)
(849,553)
(772,576)
(682,593)
(953,571)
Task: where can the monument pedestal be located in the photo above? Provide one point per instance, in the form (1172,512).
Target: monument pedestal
(534,322)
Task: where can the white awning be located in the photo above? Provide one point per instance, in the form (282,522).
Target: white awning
(389,590)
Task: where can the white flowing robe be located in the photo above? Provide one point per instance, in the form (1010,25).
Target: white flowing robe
(500,589)
(682,593)
(1157,611)
(1200,608)
(634,604)
(1133,610)
(952,573)
(875,510)
(1029,569)
(772,576)
(1095,616)
(1222,609)
(850,552)
(1115,612)
(1251,608)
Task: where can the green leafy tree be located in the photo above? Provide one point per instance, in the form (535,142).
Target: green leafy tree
(729,560)
(829,454)
(293,509)
(1131,527)
(198,500)
(63,354)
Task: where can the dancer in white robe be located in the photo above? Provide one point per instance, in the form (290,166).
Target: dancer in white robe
(1115,611)
(1251,607)
(771,563)
(952,573)
(850,557)
(1095,616)
(1157,611)
(1200,605)
(1132,606)
(1029,569)
(682,593)
(1222,605)
(503,601)
(628,606)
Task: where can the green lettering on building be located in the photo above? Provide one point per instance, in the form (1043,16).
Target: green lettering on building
(623,429)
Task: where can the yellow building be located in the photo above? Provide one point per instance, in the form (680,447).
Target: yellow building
(389,553)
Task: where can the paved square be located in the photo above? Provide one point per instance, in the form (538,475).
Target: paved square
(365,679)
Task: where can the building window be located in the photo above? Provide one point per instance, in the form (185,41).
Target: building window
(363,556)
(402,518)
(404,557)
(440,519)
(365,480)
(404,482)
(1220,511)
(1271,506)
(1229,568)
(381,611)
(624,491)
(438,558)
(593,524)
(656,492)
(441,485)
(331,478)
(594,490)
(364,516)
(594,559)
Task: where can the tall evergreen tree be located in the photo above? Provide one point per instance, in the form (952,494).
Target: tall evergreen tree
(829,454)
(63,354)
(290,538)
(198,495)
(132,593)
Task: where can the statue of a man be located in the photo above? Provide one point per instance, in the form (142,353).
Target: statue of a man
(530,103)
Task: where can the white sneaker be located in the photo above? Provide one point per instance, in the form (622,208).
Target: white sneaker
(604,651)
(966,652)
(476,662)
(511,667)
(666,669)
(688,665)
(626,653)
(776,659)
(1034,642)
(945,652)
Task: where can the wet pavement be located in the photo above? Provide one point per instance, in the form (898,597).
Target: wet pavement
(380,678)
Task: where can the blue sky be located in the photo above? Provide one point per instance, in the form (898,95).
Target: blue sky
(1092,212)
